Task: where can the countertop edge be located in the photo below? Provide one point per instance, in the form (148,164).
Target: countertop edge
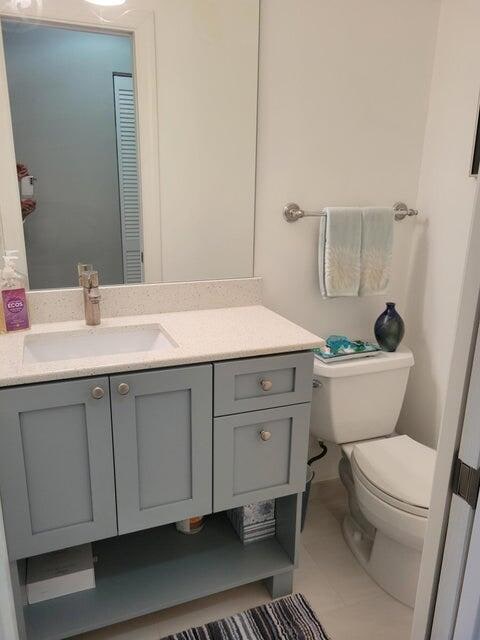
(134,367)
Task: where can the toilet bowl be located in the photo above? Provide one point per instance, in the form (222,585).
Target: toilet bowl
(392,481)
(388,476)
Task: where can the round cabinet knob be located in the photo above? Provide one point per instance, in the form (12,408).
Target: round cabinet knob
(123,388)
(98,393)
(265,435)
(266,384)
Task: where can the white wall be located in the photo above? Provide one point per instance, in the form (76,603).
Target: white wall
(207,84)
(445,197)
(343,97)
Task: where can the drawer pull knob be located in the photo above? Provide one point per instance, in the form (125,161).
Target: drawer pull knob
(123,388)
(98,393)
(266,384)
(265,435)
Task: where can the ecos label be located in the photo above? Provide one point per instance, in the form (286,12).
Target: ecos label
(15,309)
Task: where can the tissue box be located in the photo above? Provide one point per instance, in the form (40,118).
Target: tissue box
(60,573)
(255,521)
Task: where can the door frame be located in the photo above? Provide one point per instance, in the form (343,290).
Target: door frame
(449,441)
(140,25)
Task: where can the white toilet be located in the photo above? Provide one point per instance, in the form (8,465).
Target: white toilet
(356,404)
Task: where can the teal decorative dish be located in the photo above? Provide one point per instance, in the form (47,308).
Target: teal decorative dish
(342,348)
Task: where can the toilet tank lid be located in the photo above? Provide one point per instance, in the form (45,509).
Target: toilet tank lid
(403,358)
(399,467)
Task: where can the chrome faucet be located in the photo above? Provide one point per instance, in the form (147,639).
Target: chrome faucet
(88,279)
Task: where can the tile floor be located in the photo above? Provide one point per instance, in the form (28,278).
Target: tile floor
(348,603)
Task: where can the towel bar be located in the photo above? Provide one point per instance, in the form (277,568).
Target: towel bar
(292,212)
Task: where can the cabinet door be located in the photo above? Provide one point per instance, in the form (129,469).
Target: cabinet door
(260,455)
(162,428)
(56,465)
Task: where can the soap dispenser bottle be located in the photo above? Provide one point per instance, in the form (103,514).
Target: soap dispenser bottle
(13,285)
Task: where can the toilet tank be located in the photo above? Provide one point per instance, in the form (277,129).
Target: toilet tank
(359,399)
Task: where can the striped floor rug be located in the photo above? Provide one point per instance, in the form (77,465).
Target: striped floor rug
(290,618)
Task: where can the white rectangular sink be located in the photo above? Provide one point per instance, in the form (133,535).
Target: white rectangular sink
(95,342)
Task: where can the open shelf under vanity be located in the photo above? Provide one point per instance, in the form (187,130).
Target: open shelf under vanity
(151,570)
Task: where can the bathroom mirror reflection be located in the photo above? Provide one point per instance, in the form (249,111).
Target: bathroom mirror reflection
(74,128)
(88,188)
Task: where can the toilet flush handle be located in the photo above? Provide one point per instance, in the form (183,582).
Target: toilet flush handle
(316,384)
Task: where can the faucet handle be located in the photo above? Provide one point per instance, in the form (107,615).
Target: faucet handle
(89,280)
(83,267)
(83,279)
(93,279)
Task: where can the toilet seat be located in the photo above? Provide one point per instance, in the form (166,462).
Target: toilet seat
(388,497)
(385,497)
(398,471)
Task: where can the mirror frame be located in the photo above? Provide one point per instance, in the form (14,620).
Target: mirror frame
(140,25)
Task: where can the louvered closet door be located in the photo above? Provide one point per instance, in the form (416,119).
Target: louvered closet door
(126,126)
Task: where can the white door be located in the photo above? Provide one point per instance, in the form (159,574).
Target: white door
(467,622)
(456,614)
(126,127)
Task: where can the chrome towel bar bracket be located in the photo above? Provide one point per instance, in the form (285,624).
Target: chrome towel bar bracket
(292,212)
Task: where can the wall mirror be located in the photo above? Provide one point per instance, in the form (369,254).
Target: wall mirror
(130,139)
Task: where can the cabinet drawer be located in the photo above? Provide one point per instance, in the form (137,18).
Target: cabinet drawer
(261,383)
(260,455)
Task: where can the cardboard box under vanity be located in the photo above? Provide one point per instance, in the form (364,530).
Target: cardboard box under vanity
(255,521)
(60,573)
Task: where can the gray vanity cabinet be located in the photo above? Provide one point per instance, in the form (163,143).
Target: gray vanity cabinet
(56,465)
(162,429)
(87,460)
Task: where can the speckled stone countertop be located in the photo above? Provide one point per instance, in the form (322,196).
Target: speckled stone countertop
(200,335)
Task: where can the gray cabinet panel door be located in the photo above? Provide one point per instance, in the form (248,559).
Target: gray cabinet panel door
(260,383)
(249,468)
(162,429)
(56,466)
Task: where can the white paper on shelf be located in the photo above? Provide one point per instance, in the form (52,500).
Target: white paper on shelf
(60,573)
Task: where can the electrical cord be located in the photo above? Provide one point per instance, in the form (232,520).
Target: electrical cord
(322,453)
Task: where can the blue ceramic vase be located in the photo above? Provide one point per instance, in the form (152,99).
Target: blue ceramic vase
(389,328)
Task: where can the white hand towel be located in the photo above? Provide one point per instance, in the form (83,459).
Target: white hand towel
(339,251)
(376,254)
